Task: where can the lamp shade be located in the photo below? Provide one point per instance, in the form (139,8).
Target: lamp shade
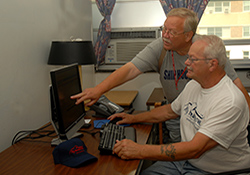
(69,52)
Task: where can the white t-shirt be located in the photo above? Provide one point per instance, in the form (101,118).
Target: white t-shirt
(221,113)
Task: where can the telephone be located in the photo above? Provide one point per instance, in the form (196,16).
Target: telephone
(104,107)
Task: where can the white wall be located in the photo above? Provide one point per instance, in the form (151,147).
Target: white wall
(133,14)
(27,28)
(144,84)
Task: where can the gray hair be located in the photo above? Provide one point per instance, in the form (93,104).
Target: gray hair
(191,21)
(215,49)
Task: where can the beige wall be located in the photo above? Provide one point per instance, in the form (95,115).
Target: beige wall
(27,29)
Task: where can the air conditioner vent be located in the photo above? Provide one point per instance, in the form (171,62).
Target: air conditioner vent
(126,43)
(133,34)
(128,50)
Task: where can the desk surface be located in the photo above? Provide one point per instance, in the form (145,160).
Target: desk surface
(156,96)
(122,98)
(35,157)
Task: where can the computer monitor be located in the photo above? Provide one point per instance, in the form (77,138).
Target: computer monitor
(66,117)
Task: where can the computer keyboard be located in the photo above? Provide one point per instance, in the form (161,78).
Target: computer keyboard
(112,132)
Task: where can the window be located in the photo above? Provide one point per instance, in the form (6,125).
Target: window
(246,6)
(229,20)
(218,7)
(245,54)
(223,32)
(246,31)
(215,31)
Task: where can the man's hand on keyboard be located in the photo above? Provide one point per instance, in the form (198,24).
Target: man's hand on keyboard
(127,149)
(123,118)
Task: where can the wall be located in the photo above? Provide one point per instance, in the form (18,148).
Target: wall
(144,84)
(147,14)
(27,28)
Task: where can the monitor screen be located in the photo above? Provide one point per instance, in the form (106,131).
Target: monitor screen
(65,115)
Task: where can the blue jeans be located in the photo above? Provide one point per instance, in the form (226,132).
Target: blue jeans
(173,168)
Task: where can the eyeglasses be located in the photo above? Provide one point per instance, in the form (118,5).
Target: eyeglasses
(191,60)
(170,32)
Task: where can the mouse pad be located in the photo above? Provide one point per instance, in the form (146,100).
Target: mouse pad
(99,123)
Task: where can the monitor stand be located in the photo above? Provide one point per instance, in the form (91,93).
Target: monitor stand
(57,141)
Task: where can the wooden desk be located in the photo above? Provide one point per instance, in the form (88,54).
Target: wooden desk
(122,98)
(35,157)
(156,96)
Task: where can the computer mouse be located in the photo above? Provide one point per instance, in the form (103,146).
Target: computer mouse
(115,120)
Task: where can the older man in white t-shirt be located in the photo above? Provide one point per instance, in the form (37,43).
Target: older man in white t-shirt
(214,119)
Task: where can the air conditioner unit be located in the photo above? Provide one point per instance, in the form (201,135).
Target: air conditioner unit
(226,10)
(126,43)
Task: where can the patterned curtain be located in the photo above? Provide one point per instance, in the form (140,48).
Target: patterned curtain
(103,37)
(197,6)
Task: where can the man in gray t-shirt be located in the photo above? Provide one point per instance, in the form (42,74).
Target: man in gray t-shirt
(168,52)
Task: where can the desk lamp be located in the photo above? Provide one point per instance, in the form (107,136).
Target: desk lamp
(70,52)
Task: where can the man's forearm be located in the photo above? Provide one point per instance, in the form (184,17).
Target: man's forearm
(178,151)
(118,77)
(168,152)
(156,115)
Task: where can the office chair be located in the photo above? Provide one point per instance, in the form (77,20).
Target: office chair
(247,170)
(160,131)
(163,134)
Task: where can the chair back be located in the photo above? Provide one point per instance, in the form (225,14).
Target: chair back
(248,136)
